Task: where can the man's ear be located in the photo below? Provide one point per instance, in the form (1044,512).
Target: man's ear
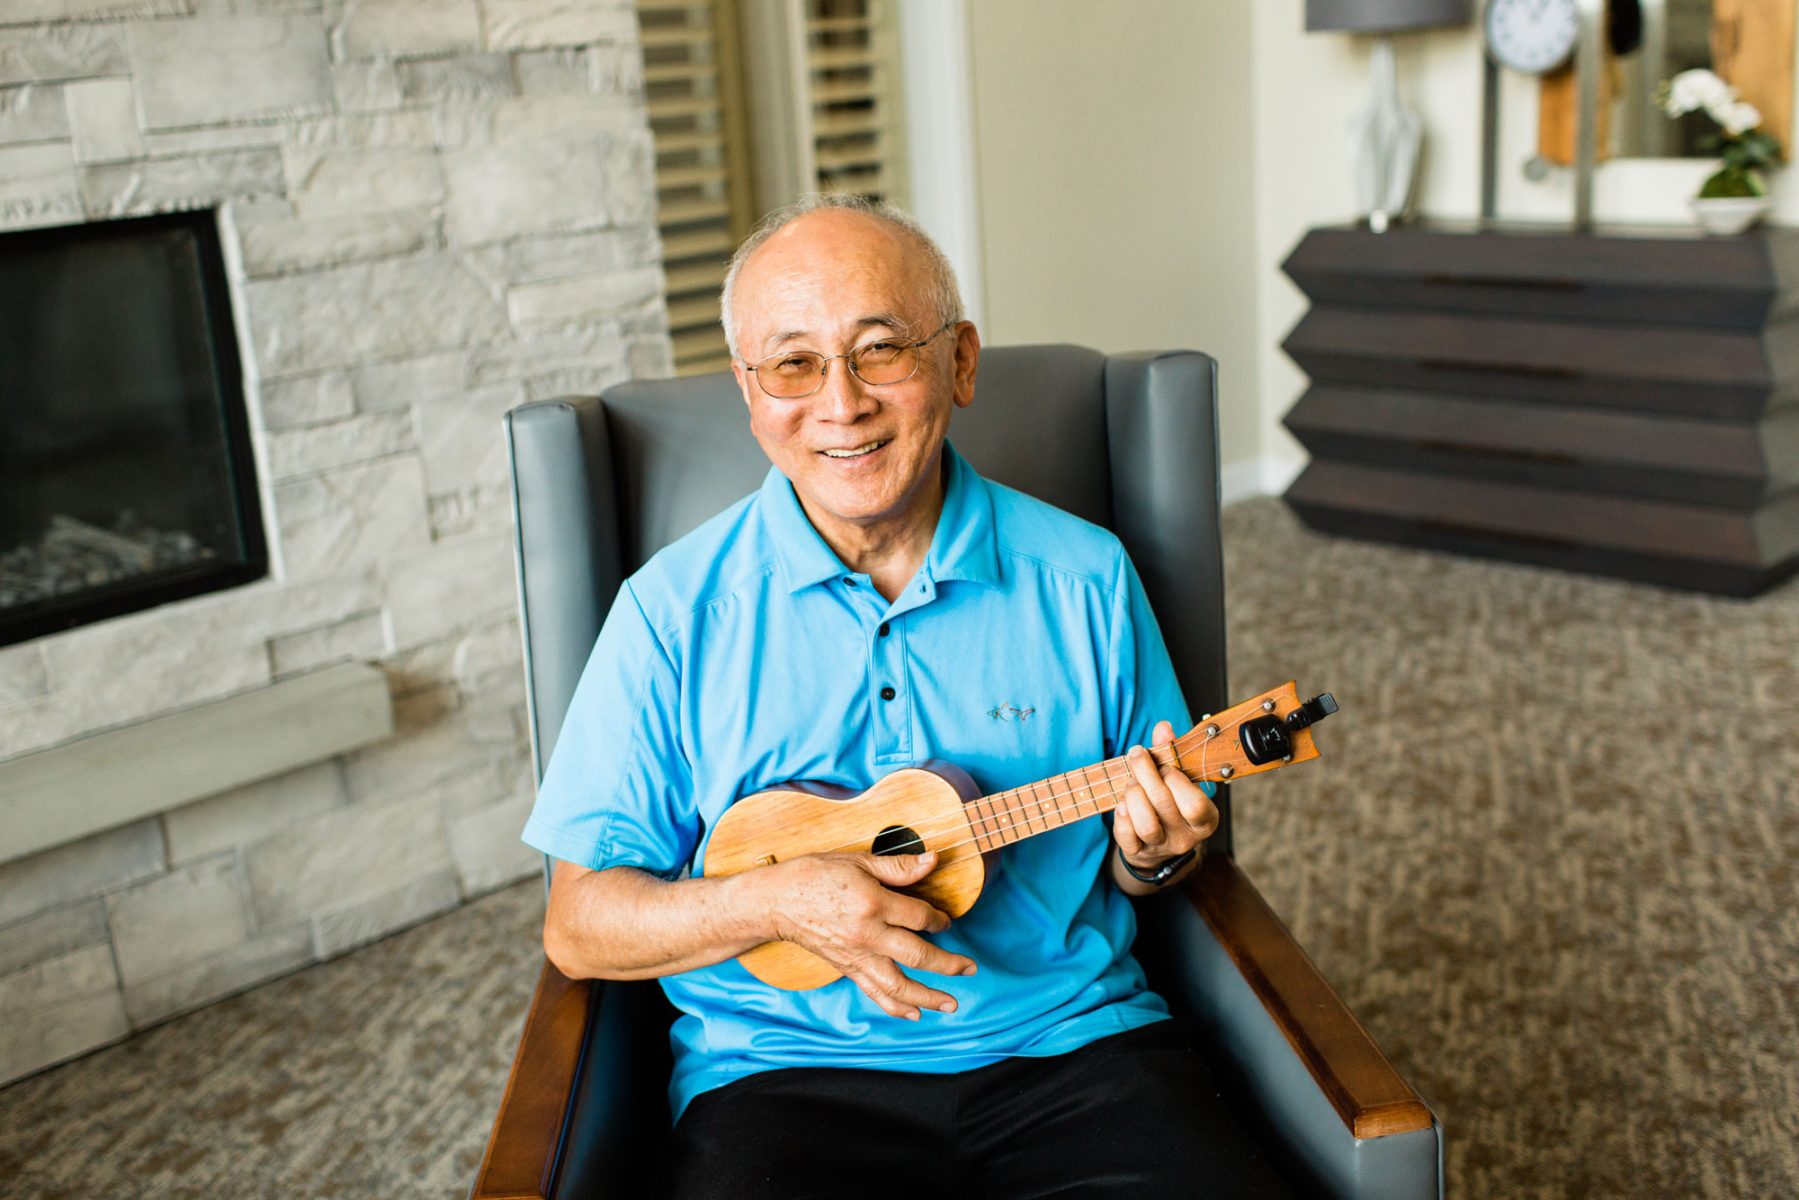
(743,379)
(968,358)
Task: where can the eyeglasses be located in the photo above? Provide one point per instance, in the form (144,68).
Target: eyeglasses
(798,373)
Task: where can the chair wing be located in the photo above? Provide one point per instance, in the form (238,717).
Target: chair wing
(1129,442)
(1162,440)
(1162,432)
(566,550)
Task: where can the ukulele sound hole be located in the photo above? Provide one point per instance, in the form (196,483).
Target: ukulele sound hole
(897,839)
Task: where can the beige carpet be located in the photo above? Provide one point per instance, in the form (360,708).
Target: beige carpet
(375,1075)
(1549,858)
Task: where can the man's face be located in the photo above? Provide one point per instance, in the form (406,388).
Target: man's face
(857,454)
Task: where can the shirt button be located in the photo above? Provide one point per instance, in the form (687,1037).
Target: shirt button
(848,581)
(887,693)
(885,629)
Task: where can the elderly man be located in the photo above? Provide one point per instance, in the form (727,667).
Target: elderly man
(874,604)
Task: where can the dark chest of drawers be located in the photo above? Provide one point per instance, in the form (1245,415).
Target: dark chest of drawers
(1622,403)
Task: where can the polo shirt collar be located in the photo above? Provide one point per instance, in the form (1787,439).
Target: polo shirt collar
(804,557)
(964,545)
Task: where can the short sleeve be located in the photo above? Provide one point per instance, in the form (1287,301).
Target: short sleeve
(1140,685)
(619,788)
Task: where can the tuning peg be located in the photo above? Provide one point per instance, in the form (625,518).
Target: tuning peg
(1312,711)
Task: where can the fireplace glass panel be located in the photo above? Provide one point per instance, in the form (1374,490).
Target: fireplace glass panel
(126,478)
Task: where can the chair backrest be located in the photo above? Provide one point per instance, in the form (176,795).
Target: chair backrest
(1126,441)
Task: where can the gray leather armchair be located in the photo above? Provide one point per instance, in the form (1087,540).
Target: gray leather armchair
(1129,442)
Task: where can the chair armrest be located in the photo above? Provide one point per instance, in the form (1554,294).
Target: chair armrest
(1360,1083)
(525,1145)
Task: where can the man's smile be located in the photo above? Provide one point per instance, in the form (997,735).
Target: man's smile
(861,451)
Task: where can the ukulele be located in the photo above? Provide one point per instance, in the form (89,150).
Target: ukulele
(936,806)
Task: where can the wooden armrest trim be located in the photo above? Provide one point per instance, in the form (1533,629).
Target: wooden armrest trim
(1361,1084)
(522,1150)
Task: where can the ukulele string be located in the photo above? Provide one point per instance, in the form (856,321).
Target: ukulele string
(1023,815)
(1116,788)
(1094,794)
(923,834)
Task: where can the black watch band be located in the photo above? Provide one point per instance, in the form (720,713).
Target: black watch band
(1161,874)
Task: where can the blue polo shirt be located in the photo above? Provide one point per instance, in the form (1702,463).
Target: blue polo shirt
(746,655)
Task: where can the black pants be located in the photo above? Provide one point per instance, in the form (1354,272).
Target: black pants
(1132,1115)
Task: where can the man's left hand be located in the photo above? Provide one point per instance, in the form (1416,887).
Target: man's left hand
(1163,814)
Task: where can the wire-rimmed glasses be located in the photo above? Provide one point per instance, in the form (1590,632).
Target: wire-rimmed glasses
(794,374)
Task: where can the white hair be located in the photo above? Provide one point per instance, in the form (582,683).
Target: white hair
(940,277)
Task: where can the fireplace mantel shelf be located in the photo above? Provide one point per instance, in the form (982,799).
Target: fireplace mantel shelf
(109,779)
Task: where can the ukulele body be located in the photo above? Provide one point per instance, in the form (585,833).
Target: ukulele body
(929,808)
(908,812)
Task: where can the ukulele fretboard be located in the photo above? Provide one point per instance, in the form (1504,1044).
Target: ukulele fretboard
(1012,815)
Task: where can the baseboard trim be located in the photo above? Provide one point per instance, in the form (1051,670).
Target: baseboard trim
(1248,478)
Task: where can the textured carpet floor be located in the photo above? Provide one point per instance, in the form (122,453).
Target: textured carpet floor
(1549,859)
(375,1075)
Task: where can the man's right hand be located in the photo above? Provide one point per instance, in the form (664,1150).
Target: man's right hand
(843,908)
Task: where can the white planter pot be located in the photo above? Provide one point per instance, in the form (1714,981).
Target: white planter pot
(1726,215)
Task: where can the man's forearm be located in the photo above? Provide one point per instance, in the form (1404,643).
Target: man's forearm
(624,923)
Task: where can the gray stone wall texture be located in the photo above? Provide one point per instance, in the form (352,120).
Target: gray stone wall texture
(433,210)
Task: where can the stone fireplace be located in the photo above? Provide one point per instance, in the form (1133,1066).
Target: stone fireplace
(426,212)
(126,478)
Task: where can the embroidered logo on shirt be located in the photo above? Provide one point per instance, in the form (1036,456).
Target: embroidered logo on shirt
(1010,712)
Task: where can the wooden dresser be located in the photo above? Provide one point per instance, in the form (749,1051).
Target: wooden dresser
(1624,402)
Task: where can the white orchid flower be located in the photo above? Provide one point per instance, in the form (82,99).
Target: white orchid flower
(1680,100)
(1739,118)
(1713,92)
(1696,89)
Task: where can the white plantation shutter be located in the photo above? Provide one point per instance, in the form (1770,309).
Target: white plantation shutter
(856,107)
(827,117)
(693,88)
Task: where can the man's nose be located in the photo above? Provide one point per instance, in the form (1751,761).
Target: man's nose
(844,397)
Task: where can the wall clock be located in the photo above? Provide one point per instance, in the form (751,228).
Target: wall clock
(1531,36)
(1535,37)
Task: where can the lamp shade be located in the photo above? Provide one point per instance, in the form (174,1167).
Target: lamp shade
(1384,16)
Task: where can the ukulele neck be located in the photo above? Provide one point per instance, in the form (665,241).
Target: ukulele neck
(1016,813)
(1261,734)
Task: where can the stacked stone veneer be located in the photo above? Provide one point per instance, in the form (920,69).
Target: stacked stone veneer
(433,210)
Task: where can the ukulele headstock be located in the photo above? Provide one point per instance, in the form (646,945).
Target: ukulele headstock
(1261,734)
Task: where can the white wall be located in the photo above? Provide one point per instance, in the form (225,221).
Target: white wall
(1143,167)
(1113,162)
